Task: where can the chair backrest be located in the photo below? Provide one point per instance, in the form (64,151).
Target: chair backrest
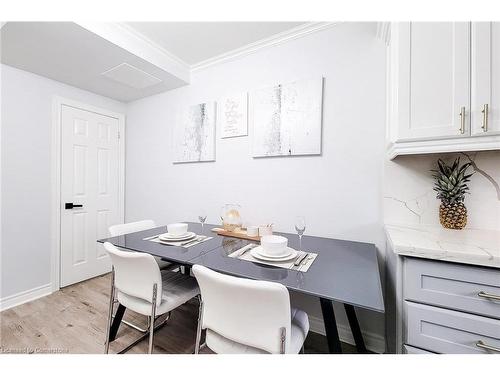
(250,312)
(136,226)
(135,273)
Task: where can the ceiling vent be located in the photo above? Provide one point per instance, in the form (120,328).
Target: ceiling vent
(131,76)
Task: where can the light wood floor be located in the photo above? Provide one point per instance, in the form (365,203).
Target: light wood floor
(73,320)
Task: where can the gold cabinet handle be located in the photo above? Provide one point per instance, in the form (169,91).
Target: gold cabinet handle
(482,345)
(484,126)
(462,120)
(488,295)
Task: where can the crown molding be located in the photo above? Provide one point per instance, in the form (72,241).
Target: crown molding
(132,40)
(274,40)
(137,44)
(130,30)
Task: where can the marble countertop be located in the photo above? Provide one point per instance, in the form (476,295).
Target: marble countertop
(470,246)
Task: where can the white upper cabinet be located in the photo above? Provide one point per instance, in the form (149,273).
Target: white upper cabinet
(443,87)
(485,104)
(433,79)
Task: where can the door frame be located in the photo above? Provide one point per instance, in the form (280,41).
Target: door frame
(56,154)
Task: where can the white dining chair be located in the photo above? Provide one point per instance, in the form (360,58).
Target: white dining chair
(137,226)
(247,316)
(140,286)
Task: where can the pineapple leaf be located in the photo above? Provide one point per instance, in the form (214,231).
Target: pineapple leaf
(441,166)
(450,182)
(468,177)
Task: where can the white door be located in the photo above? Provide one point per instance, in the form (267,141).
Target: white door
(485,78)
(434,84)
(90,178)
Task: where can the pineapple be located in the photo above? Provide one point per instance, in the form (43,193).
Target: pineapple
(451,187)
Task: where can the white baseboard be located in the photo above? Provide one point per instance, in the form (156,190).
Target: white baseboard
(373,342)
(26,296)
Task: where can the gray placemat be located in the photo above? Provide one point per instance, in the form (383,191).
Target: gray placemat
(199,239)
(288,264)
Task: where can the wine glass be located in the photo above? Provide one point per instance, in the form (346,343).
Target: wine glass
(202,216)
(300,227)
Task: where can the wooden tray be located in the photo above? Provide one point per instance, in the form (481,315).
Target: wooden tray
(237,234)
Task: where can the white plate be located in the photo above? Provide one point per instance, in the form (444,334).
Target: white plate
(257,253)
(169,237)
(176,240)
(264,253)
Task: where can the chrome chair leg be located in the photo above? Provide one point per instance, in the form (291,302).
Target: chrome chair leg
(132,325)
(198,330)
(149,331)
(142,337)
(138,340)
(164,321)
(282,340)
(110,312)
(152,320)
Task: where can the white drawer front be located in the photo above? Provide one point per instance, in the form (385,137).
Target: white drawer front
(454,286)
(445,331)
(408,349)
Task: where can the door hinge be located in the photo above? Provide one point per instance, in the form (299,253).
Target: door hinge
(119,135)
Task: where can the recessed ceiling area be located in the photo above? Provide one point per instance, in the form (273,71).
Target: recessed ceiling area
(129,61)
(69,53)
(194,42)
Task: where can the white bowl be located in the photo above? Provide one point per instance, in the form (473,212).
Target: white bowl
(274,245)
(177,229)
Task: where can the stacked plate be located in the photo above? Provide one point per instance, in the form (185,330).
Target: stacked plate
(260,253)
(169,237)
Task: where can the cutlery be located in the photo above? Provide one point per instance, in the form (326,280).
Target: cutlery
(247,247)
(197,239)
(250,247)
(300,259)
(305,262)
(151,238)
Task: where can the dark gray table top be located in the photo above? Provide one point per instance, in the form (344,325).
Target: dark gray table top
(135,242)
(344,271)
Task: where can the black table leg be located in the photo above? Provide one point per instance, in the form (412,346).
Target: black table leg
(356,331)
(116,322)
(332,334)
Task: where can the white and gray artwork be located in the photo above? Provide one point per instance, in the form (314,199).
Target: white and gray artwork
(232,118)
(195,134)
(286,119)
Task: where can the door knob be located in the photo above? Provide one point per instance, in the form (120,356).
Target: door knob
(70,206)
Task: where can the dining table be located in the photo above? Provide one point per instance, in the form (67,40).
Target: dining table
(345,272)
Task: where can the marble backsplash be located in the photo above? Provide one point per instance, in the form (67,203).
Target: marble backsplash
(409,198)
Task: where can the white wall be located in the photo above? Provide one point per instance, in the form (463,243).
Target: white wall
(410,200)
(339,193)
(26,103)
